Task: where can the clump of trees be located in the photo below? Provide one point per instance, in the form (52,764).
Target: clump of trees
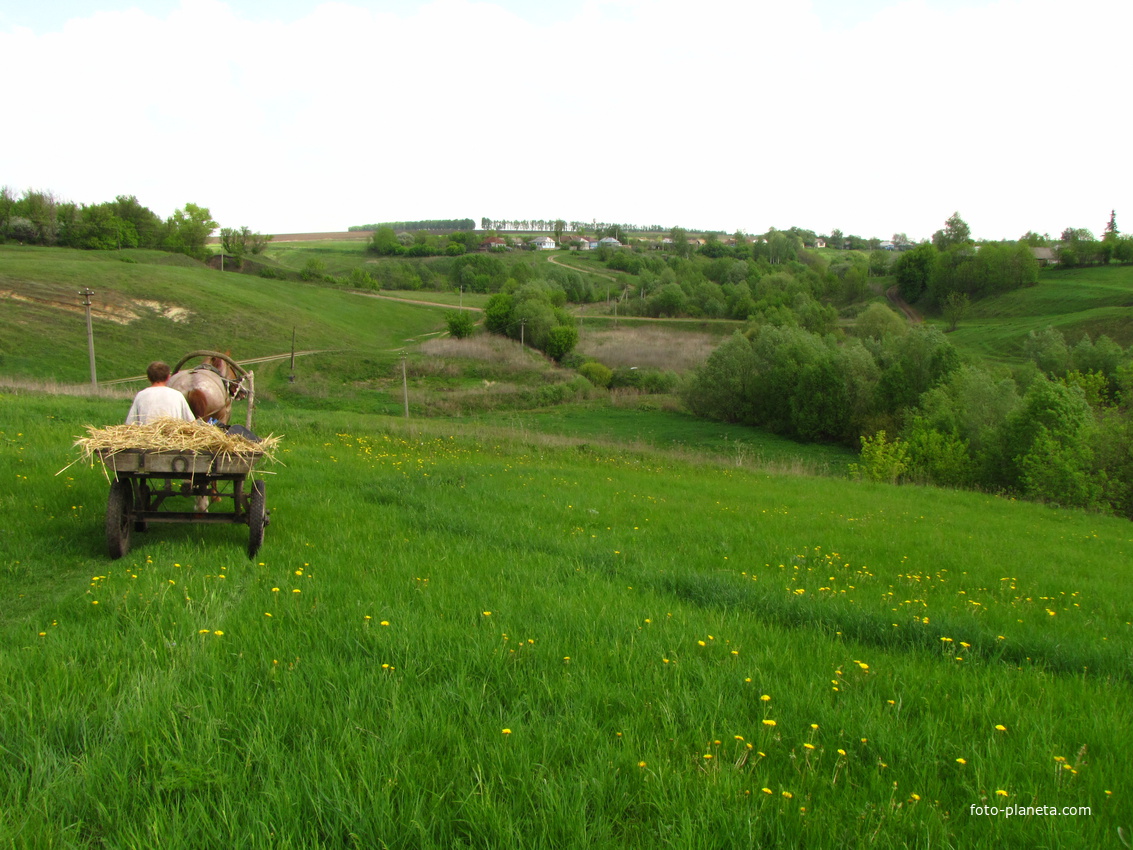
(533,313)
(1059,430)
(389,242)
(39,218)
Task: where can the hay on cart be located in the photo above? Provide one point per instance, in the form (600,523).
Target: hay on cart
(173,435)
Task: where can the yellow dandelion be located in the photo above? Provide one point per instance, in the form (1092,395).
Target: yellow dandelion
(914,797)
(766,790)
(701,643)
(267,613)
(487,613)
(737,737)
(765,698)
(218,633)
(961,761)
(708,755)
(1001,793)
(385,622)
(841,752)
(506,731)
(788,795)
(814,726)
(641,764)
(809,746)
(768,722)
(999,727)
(275,590)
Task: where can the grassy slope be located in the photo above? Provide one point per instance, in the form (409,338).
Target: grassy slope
(620,614)
(1096,301)
(248,315)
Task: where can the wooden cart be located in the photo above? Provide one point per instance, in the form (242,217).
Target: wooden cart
(142,481)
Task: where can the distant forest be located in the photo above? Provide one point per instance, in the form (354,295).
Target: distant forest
(428,224)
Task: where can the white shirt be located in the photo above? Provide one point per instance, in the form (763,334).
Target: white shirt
(154,402)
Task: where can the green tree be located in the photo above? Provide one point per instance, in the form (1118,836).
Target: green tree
(561,341)
(913,269)
(188,230)
(955,233)
(955,308)
(460,323)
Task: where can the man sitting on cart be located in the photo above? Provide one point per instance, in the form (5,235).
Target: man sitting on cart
(157,399)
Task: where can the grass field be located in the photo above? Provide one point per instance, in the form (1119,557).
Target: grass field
(148,309)
(478,636)
(1092,301)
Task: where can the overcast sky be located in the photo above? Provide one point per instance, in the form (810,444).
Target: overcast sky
(870,116)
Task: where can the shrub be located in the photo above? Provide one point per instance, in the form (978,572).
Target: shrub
(314,269)
(597,373)
(881,460)
(561,340)
(460,323)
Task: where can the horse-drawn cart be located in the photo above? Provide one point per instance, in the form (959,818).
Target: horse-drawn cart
(151,465)
(142,481)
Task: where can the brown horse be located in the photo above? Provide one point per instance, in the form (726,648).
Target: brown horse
(209,388)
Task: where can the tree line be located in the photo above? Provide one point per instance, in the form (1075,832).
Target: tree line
(439,224)
(39,218)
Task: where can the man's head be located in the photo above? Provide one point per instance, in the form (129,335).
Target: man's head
(157,372)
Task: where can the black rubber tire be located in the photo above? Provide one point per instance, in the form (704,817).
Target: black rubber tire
(119,523)
(257,518)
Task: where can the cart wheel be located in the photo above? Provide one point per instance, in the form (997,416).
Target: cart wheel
(257,518)
(119,506)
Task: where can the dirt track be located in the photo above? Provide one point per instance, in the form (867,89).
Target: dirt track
(893,293)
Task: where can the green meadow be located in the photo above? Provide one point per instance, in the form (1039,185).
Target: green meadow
(463,635)
(1092,300)
(532,614)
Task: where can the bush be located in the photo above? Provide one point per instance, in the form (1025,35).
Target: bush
(561,340)
(315,269)
(460,323)
(881,460)
(597,373)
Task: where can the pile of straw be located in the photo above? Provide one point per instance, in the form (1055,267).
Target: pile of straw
(172,435)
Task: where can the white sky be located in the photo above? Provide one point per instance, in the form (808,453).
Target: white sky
(871,116)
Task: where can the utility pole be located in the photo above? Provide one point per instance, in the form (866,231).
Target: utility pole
(522,325)
(404,384)
(87,293)
(291,377)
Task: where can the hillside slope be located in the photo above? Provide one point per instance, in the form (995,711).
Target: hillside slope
(150,305)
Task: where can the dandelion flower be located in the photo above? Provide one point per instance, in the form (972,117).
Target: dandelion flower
(218,633)
(487,613)
(788,795)
(641,764)
(506,731)
(1001,793)
(385,622)
(999,727)
(841,752)
(961,761)
(765,698)
(768,722)
(765,790)
(809,746)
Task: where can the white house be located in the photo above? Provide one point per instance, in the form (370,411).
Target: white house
(609,242)
(543,243)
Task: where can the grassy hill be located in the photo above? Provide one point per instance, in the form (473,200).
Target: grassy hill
(1092,301)
(472,634)
(150,305)
(526,624)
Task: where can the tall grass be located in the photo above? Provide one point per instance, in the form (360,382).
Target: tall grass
(481,638)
